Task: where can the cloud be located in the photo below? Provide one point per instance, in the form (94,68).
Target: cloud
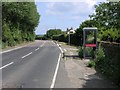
(76,10)
(69,8)
(67,0)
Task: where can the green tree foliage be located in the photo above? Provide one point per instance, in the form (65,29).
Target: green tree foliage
(62,37)
(19,20)
(50,33)
(107,17)
(40,37)
(107,14)
(79,31)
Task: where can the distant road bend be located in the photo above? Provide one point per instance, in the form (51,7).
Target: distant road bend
(32,66)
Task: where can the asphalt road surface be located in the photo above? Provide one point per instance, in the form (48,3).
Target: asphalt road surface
(32,66)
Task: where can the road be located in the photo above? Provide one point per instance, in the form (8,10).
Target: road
(32,66)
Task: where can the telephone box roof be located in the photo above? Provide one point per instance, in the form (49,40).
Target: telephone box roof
(90,28)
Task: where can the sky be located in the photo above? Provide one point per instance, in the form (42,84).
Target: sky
(63,14)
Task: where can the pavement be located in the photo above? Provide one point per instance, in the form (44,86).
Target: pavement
(77,73)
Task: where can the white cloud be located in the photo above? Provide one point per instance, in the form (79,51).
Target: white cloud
(78,9)
(69,8)
(90,3)
(67,0)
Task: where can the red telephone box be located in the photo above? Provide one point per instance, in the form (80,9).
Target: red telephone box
(92,31)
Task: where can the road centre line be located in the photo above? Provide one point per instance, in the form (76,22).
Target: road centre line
(56,71)
(37,49)
(27,55)
(7,65)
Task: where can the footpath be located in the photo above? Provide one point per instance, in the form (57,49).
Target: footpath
(74,73)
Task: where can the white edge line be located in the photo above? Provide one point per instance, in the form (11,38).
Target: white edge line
(36,49)
(55,74)
(11,49)
(60,48)
(6,65)
(27,55)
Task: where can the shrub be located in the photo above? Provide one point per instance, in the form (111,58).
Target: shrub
(91,64)
(80,52)
(111,63)
(100,55)
(88,52)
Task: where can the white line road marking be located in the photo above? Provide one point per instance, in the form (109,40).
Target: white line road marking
(7,65)
(60,48)
(43,44)
(11,50)
(65,50)
(27,55)
(56,71)
(36,49)
(14,49)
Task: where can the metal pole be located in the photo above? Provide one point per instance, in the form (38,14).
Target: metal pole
(69,39)
(84,41)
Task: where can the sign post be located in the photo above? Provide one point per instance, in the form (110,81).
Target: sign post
(70,31)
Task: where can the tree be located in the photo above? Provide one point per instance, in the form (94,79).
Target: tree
(107,16)
(79,31)
(50,33)
(20,18)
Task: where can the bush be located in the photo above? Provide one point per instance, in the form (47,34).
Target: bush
(80,52)
(112,35)
(91,64)
(61,38)
(75,40)
(100,55)
(88,52)
(38,37)
(110,66)
(4,45)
